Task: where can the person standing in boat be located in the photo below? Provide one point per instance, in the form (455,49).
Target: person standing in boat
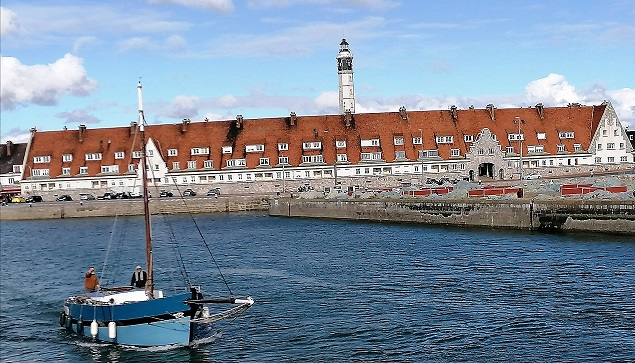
(139,278)
(90,280)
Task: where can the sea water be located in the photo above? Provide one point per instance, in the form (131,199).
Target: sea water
(333,290)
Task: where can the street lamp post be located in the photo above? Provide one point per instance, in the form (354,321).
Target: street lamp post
(518,122)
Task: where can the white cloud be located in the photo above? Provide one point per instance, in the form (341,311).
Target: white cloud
(81,42)
(182,107)
(624,104)
(553,89)
(78,117)
(8,22)
(327,101)
(42,84)
(224,6)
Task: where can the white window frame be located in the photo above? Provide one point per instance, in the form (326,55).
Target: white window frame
(120,154)
(173,152)
(42,159)
(468,138)
(208,164)
(66,158)
(515,137)
(176,165)
(398,140)
(340,144)
(227,150)
(236,162)
(83,170)
(136,154)
(264,162)
(283,146)
(417,140)
(371,156)
(255,148)
(39,172)
(444,139)
(199,151)
(400,154)
(370,142)
(455,152)
(283,160)
(312,145)
(66,171)
(191,164)
(312,159)
(541,135)
(342,157)
(566,135)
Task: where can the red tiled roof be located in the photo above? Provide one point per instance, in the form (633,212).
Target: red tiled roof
(582,120)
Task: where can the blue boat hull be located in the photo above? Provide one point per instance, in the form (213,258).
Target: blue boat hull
(155,322)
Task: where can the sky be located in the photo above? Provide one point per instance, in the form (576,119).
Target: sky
(72,62)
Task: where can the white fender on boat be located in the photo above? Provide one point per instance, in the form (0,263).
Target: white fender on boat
(94,328)
(112,330)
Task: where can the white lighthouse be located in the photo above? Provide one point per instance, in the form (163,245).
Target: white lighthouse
(345,73)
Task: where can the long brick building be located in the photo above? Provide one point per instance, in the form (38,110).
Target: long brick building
(475,143)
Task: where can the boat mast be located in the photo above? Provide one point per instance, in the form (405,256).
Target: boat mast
(146,206)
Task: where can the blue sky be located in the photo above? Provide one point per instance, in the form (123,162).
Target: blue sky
(72,62)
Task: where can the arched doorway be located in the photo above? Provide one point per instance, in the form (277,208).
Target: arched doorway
(486,170)
(501,174)
(471,175)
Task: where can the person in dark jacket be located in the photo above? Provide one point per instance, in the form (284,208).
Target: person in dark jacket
(139,278)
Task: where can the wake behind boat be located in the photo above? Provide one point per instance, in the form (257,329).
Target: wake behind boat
(146,317)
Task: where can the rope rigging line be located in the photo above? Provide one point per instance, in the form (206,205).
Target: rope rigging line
(200,233)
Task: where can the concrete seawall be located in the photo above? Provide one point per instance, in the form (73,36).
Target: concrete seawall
(574,215)
(130,207)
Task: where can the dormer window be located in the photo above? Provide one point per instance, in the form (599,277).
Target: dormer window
(417,140)
(227,150)
(283,146)
(468,138)
(515,137)
(264,161)
(566,135)
(398,140)
(256,148)
(561,148)
(191,164)
(173,152)
(136,154)
(42,159)
(541,135)
(340,144)
(120,155)
(370,142)
(199,151)
(444,139)
(67,158)
(313,145)
(93,156)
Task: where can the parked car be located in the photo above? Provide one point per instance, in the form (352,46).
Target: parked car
(34,199)
(86,196)
(165,193)
(18,199)
(123,195)
(107,195)
(532,176)
(189,192)
(214,192)
(64,198)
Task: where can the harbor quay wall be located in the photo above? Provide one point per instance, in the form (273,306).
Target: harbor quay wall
(130,207)
(571,215)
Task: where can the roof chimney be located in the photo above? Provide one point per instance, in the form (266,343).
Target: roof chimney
(403,113)
(184,124)
(133,128)
(348,118)
(453,113)
(82,129)
(9,147)
(490,108)
(294,119)
(540,110)
(239,121)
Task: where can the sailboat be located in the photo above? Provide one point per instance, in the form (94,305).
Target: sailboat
(147,317)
